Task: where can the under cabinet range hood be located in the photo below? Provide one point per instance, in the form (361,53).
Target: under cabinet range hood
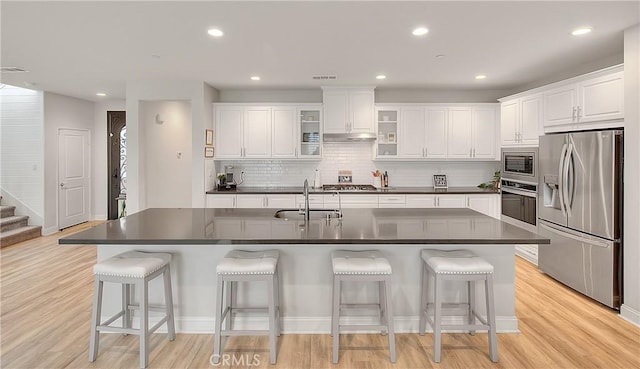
(349,137)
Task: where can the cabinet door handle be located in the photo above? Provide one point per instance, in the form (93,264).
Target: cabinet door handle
(470,153)
(573,114)
(578,113)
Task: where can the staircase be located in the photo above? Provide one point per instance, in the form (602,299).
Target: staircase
(15,228)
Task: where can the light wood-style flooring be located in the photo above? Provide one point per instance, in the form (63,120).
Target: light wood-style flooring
(45,306)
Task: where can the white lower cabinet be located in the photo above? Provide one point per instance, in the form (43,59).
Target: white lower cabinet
(351,201)
(286,201)
(221,201)
(488,204)
(251,201)
(392,201)
(315,201)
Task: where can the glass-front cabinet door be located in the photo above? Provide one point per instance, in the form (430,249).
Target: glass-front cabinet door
(387,128)
(310,133)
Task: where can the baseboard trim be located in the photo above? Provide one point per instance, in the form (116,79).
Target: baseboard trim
(630,314)
(314,325)
(99,217)
(49,231)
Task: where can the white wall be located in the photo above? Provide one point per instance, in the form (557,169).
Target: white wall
(420,95)
(167,152)
(210,95)
(138,91)
(357,158)
(59,112)
(631,308)
(307,95)
(99,152)
(22,151)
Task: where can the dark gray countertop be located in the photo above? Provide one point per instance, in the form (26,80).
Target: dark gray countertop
(258,226)
(388,190)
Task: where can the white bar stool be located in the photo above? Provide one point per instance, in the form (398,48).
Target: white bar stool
(457,265)
(246,266)
(132,268)
(362,266)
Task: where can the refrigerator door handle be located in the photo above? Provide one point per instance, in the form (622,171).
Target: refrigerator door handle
(563,152)
(564,232)
(565,178)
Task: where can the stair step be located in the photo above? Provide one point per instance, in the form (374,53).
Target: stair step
(13,236)
(16,221)
(7,210)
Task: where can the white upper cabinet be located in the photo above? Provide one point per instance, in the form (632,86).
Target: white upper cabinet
(348,110)
(412,132)
(483,133)
(579,105)
(436,141)
(444,132)
(520,121)
(228,123)
(601,98)
(257,132)
(284,132)
(459,136)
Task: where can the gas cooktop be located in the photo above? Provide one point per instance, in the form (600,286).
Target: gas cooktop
(348,187)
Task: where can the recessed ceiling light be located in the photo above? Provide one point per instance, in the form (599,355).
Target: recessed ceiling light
(481,76)
(440,56)
(581,31)
(420,31)
(255,78)
(381,76)
(101,94)
(215,32)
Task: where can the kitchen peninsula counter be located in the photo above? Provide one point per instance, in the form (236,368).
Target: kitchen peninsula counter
(199,238)
(387,190)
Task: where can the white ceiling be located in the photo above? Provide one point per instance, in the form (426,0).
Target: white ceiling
(80,48)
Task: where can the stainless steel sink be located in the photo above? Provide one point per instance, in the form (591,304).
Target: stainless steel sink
(294,214)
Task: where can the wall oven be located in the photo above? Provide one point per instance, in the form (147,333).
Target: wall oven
(519,187)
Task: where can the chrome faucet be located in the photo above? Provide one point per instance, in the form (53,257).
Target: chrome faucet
(306,201)
(339,212)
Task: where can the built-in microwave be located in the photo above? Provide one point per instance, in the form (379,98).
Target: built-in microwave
(520,163)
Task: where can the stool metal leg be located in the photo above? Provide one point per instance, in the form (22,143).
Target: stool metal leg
(471,292)
(168,302)
(424,277)
(144,324)
(437,319)
(272,321)
(389,319)
(217,342)
(94,340)
(229,303)
(335,318)
(491,318)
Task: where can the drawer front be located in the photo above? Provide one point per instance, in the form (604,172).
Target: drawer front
(392,201)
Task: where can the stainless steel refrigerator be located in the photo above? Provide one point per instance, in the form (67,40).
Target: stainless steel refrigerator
(580,210)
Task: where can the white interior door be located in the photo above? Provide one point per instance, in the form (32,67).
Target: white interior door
(74,157)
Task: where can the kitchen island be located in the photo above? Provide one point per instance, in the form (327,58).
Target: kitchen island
(199,238)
